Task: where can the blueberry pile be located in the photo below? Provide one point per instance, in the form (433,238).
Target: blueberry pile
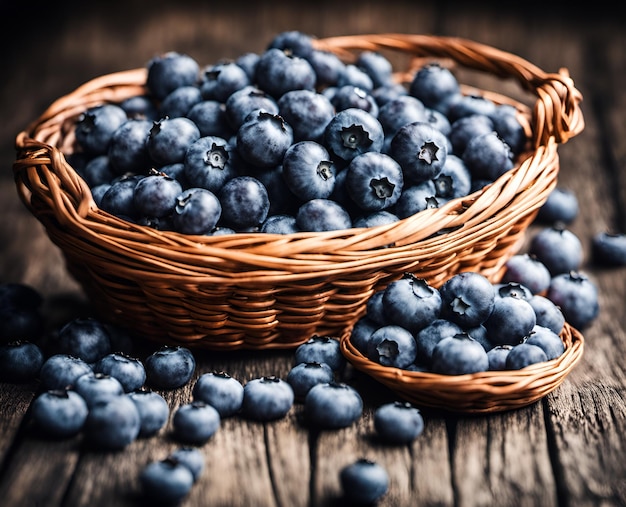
(290,139)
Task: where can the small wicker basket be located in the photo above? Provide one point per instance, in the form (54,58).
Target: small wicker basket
(259,291)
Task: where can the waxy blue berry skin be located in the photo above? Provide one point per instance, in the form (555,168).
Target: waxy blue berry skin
(511,320)
(377,66)
(85,338)
(60,371)
(179,101)
(398,112)
(376,218)
(294,42)
(170,138)
(208,163)
(318,215)
(577,297)
(59,413)
(328,67)
(436,86)
(349,96)
(129,371)
(416,198)
(169,71)
(278,72)
(374,181)
(529,271)
(307,112)
(548,340)
(165,482)
(191,457)
(321,349)
(509,128)
(155,195)
(469,105)
(332,405)
(487,156)
(514,289)
(20,361)
(363,482)
(263,139)
(153,411)
(497,357)
(197,211)
(421,151)
(245,203)
(411,302)
(303,376)
(524,354)
(119,198)
(195,422)
(221,80)
(429,336)
(558,249)
(467,299)
(221,391)
(362,333)
(112,423)
(392,345)
(140,107)
(458,355)
(267,398)
(309,171)
(95,387)
(351,132)
(609,249)
(398,422)
(279,224)
(354,76)
(127,149)
(210,118)
(454,180)
(548,314)
(560,207)
(170,367)
(245,101)
(463,130)
(95,127)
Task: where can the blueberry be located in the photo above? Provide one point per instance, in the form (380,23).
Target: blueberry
(267,398)
(179,101)
(429,336)
(524,354)
(470,105)
(321,349)
(511,320)
(416,198)
(577,297)
(332,405)
(85,338)
(319,215)
(20,361)
(348,96)
(219,81)
(244,201)
(165,482)
(155,195)
(507,125)
(119,198)
(169,71)
(374,181)
(208,163)
(309,171)
(279,224)
(263,139)
(195,422)
(548,314)
(400,111)
(514,289)
(529,271)
(112,423)
(376,218)
(488,156)
(210,118)
(197,211)
(221,391)
(170,138)
(479,333)
(282,200)
(95,127)
(362,333)
(140,107)
(99,170)
(363,482)
(467,298)
(351,132)
(436,86)
(398,422)
(61,370)
(153,411)
(278,72)
(303,376)
(59,413)
(245,101)
(191,457)
(129,371)
(463,130)
(458,355)
(294,42)
(561,207)
(375,309)
(353,75)
(454,180)
(392,345)
(98,191)
(440,121)
(247,61)
(307,112)
(548,340)
(421,151)
(609,249)
(377,66)
(95,387)
(170,367)
(389,92)
(411,302)
(558,248)
(497,357)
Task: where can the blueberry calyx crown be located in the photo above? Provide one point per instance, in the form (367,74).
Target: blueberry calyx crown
(355,136)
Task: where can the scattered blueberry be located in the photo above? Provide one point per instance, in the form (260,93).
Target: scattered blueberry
(195,422)
(363,482)
(129,371)
(398,422)
(59,413)
(60,371)
(303,376)
(221,391)
(170,367)
(321,349)
(85,338)
(577,297)
(20,361)
(558,248)
(165,482)
(112,423)
(609,249)
(153,411)
(267,398)
(191,457)
(94,387)
(332,405)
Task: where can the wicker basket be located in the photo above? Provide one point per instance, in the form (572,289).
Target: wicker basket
(257,290)
(484,392)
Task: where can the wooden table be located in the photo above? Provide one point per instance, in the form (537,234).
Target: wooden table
(565,450)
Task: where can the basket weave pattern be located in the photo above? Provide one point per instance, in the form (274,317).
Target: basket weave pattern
(257,290)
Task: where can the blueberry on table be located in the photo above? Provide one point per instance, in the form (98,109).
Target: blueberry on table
(84,337)
(458,355)
(561,207)
(60,371)
(221,391)
(398,422)
(332,405)
(609,249)
(321,349)
(59,413)
(309,171)
(351,132)
(245,203)
(96,126)
(195,422)
(267,398)
(318,215)
(197,211)
(374,181)
(558,248)
(191,457)
(208,163)
(20,313)
(436,86)
(112,423)
(129,371)
(577,297)
(165,482)
(153,411)
(170,367)
(392,345)
(94,387)
(363,482)
(170,138)
(524,354)
(20,361)
(467,298)
(303,376)
(169,71)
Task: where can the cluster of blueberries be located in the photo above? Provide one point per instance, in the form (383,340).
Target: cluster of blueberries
(290,139)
